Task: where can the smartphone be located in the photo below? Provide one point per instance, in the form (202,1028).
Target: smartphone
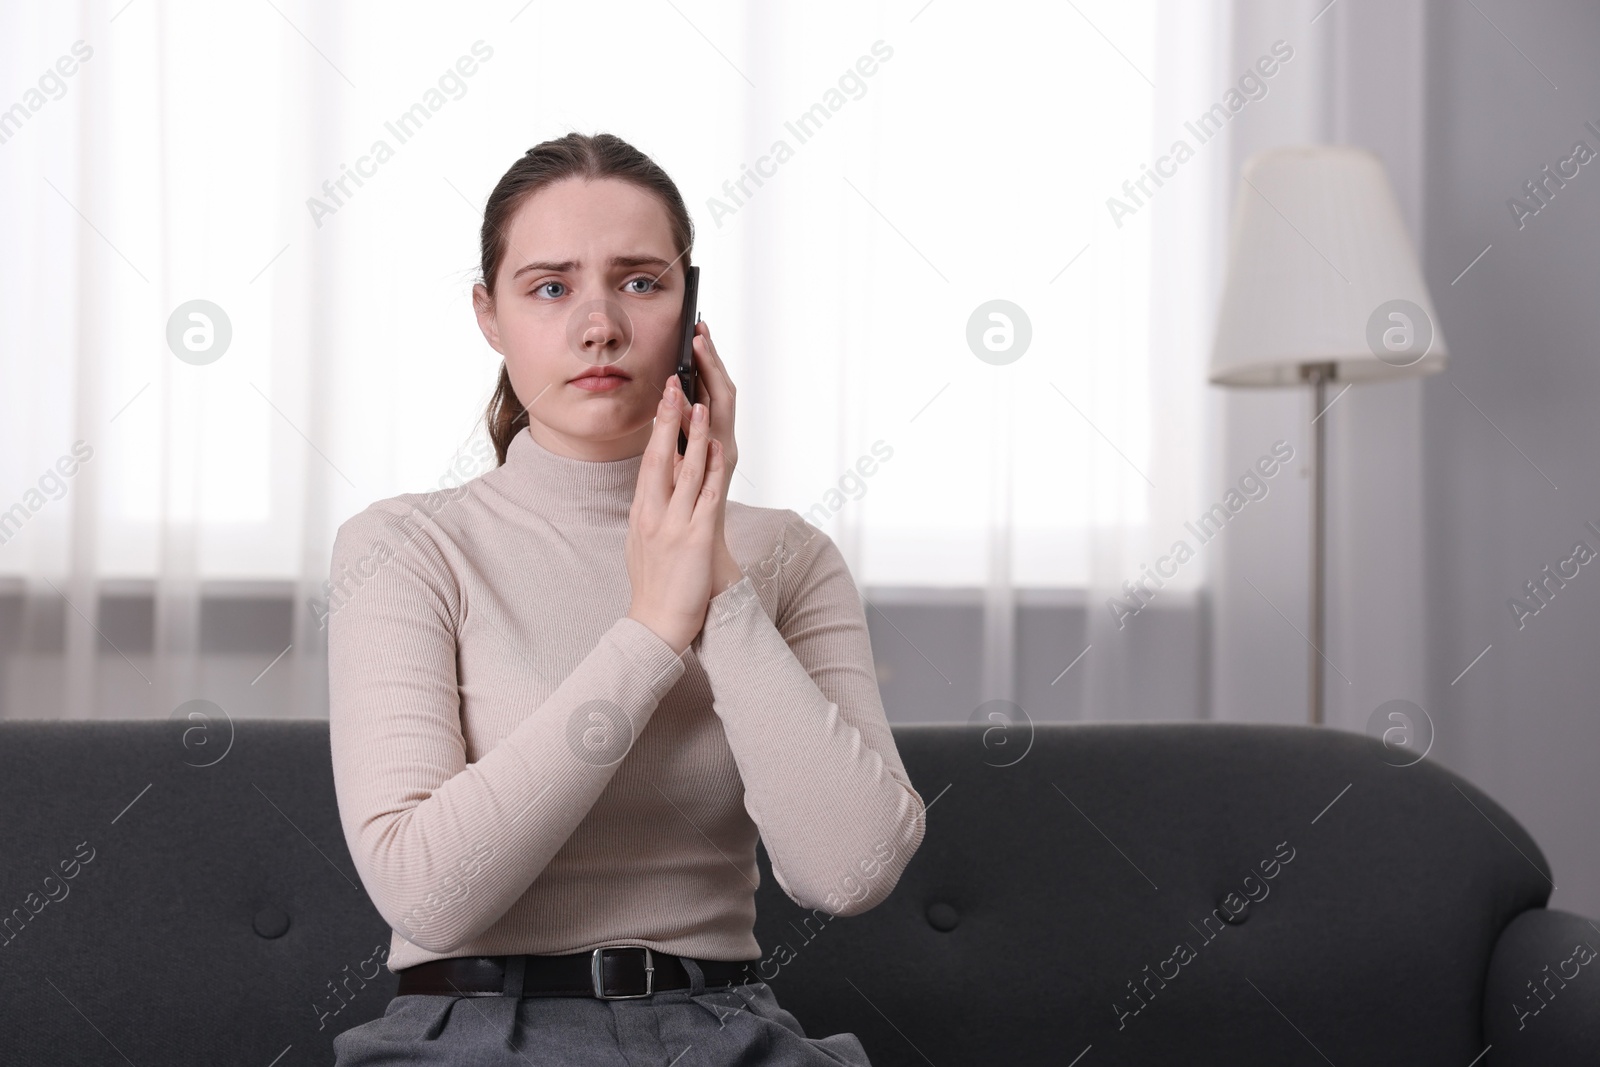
(688,377)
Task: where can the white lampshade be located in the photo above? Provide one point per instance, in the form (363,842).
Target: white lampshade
(1321,270)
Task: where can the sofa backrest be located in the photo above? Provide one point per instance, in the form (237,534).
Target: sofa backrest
(181,893)
(1195,893)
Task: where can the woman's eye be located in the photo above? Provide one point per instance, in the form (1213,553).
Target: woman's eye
(642,278)
(543,285)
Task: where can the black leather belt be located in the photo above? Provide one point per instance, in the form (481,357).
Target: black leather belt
(616,972)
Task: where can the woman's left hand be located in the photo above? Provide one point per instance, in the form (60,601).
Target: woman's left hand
(717,392)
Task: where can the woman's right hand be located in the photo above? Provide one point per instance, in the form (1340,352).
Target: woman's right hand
(672,524)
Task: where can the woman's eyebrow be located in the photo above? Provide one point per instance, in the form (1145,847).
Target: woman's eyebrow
(573,264)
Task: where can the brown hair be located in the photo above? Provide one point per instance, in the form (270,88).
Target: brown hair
(576,155)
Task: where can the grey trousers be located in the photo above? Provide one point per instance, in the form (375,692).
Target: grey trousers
(695,1027)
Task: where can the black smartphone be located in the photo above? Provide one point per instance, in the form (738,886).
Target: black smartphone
(688,377)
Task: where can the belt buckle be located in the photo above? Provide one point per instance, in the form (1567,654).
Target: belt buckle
(597,969)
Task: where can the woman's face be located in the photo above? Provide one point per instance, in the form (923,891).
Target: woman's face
(590,280)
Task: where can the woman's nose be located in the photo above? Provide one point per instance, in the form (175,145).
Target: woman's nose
(599,332)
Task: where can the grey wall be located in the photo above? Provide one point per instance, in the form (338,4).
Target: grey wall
(1356,77)
(1522,327)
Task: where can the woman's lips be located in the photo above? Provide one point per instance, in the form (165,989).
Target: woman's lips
(600,383)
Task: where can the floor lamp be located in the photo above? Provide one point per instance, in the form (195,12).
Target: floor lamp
(1322,287)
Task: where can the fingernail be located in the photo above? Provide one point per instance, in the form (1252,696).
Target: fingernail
(699,413)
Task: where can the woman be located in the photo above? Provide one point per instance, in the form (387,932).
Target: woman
(569,694)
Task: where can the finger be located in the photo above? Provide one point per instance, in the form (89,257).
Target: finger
(672,392)
(691,471)
(712,346)
(659,467)
(715,483)
(716,357)
(719,384)
(719,389)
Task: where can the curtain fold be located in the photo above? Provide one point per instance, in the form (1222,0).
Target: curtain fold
(1145,641)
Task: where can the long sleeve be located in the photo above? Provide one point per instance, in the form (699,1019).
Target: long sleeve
(444,847)
(799,702)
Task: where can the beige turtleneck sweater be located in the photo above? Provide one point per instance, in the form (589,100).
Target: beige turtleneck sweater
(520,767)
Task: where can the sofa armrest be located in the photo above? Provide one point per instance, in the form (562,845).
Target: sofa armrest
(1541,1005)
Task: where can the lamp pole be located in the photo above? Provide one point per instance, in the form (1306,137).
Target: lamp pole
(1319,374)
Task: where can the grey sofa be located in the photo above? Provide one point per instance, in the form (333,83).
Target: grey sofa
(1196,893)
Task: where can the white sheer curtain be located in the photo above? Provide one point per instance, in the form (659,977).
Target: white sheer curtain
(957,155)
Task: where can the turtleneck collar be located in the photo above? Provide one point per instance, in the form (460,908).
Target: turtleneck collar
(566,490)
